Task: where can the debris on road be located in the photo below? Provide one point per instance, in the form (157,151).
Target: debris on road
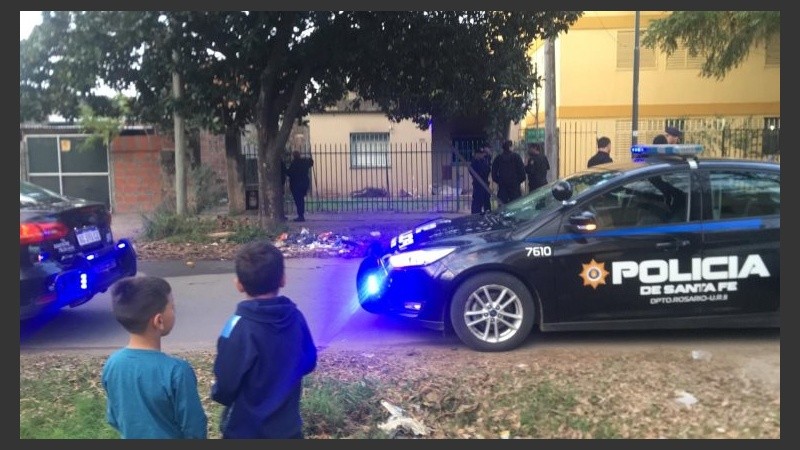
(400,421)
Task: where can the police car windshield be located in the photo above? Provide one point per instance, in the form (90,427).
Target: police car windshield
(541,200)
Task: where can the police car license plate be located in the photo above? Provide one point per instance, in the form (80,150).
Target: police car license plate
(88,236)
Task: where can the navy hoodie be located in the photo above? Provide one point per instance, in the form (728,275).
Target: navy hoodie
(263,353)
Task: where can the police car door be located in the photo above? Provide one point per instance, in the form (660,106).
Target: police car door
(624,245)
(741,257)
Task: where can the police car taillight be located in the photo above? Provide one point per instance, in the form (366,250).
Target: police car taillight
(656,150)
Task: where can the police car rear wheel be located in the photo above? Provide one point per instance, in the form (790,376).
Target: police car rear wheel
(492,312)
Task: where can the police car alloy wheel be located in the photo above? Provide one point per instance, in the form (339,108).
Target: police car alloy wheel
(492,311)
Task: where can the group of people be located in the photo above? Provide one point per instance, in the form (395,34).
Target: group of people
(508,171)
(671,136)
(263,352)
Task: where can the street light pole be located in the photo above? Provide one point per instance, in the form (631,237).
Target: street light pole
(635,114)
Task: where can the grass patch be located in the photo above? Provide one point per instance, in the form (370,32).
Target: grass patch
(550,393)
(174,228)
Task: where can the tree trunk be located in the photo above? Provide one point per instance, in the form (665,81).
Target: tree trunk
(234,164)
(270,208)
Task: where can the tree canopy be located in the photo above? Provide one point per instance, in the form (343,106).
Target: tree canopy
(723,38)
(272,68)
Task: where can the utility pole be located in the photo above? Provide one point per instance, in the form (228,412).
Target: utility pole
(635,114)
(180,145)
(550,129)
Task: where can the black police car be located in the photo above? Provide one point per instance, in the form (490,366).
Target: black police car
(67,253)
(666,240)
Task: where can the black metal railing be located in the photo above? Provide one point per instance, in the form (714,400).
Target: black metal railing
(410,177)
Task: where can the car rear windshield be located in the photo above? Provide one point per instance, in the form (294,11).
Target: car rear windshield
(31,195)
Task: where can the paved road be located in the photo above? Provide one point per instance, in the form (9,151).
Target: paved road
(324,289)
(325,292)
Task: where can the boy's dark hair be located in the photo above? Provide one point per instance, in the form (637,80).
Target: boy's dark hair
(135,300)
(603,142)
(259,267)
(507,145)
(660,139)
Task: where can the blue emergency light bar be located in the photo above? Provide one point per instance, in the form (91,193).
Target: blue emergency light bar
(643,151)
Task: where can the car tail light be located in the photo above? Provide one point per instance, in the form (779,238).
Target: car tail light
(34,233)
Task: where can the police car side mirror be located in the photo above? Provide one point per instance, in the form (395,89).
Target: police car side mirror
(562,190)
(583,222)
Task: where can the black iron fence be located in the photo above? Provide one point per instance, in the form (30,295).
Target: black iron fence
(410,177)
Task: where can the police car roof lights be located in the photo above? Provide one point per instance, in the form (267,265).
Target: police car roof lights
(656,150)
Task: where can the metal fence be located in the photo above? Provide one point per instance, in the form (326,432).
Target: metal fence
(410,177)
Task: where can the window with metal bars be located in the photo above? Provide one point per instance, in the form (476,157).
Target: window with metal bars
(369,150)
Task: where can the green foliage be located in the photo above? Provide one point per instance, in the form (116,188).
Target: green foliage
(275,67)
(65,403)
(165,224)
(723,38)
(330,406)
(548,408)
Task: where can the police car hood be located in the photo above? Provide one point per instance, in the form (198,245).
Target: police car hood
(474,228)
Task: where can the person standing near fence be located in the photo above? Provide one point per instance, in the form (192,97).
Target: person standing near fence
(508,171)
(537,166)
(603,153)
(481,167)
(299,182)
(674,135)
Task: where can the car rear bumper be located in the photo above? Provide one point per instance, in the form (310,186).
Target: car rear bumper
(52,285)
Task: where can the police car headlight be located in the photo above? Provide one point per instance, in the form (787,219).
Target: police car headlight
(418,258)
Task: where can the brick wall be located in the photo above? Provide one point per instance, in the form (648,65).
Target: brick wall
(212,153)
(137,179)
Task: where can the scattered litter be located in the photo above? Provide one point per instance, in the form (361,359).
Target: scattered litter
(369,192)
(505,434)
(701,355)
(400,421)
(684,398)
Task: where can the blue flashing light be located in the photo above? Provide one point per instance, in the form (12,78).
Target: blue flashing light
(89,257)
(121,245)
(84,281)
(655,150)
(372,285)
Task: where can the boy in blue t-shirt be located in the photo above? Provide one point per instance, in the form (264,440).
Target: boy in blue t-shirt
(151,395)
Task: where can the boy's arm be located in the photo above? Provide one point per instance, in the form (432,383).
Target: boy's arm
(233,361)
(309,348)
(189,410)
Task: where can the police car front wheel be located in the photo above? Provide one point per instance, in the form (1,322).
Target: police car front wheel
(492,312)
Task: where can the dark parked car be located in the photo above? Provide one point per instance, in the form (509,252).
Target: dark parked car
(667,240)
(67,253)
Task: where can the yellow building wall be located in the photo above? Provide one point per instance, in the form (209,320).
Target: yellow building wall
(409,155)
(593,96)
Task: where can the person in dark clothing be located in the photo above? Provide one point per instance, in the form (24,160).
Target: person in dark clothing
(299,182)
(263,352)
(660,139)
(602,156)
(481,167)
(537,166)
(508,171)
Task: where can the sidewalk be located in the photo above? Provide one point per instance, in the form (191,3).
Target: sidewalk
(130,225)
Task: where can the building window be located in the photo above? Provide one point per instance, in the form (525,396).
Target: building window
(647,56)
(369,150)
(681,59)
(773,51)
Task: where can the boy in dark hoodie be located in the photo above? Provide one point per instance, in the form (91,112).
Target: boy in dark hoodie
(263,352)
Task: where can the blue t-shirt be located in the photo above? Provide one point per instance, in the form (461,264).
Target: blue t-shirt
(152,395)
